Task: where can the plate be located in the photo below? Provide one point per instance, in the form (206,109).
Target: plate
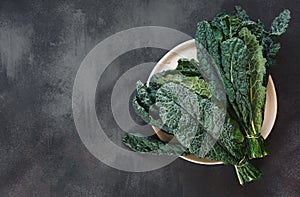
(188,50)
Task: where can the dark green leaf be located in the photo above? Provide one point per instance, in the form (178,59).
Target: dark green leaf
(143,95)
(280,23)
(241,13)
(188,67)
(235,63)
(153,145)
(200,123)
(258,70)
(270,50)
(199,86)
(228,25)
(205,37)
(208,54)
(151,116)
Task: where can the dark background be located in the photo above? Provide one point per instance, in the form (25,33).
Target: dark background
(42,44)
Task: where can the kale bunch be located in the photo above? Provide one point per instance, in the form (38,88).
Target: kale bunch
(234,55)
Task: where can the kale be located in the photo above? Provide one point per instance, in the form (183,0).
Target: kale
(234,56)
(188,67)
(243,53)
(153,145)
(257,93)
(280,23)
(185,107)
(241,13)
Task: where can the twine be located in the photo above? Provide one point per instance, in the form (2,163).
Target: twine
(253,136)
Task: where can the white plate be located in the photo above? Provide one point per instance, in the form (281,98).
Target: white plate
(188,50)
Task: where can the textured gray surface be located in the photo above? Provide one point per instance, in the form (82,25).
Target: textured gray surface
(42,44)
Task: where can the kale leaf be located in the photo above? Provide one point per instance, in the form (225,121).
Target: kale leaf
(153,145)
(280,23)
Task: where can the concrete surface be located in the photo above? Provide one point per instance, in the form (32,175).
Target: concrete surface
(42,44)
